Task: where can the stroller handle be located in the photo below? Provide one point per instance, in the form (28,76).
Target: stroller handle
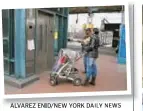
(81,55)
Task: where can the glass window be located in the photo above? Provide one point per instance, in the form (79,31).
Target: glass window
(5,48)
(5,27)
(5,16)
(5,13)
(6,66)
(8,40)
(12,50)
(11,68)
(11,34)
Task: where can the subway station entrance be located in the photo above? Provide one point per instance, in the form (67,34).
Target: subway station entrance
(32,39)
(29,44)
(45,41)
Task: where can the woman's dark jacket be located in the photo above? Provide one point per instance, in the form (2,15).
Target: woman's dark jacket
(92,48)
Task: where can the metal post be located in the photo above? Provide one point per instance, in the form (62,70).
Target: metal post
(20,42)
(66,27)
(122,42)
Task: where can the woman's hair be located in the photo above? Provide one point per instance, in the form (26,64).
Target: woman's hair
(88,29)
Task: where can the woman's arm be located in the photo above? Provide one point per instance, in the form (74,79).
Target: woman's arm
(90,46)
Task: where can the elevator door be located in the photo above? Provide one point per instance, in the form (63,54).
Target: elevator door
(45,42)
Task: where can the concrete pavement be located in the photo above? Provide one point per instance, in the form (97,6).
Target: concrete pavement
(111,77)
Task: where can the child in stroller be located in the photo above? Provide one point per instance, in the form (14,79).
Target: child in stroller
(64,67)
(62,60)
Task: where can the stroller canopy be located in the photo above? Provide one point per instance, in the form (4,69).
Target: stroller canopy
(72,55)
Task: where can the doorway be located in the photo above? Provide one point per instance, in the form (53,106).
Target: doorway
(45,42)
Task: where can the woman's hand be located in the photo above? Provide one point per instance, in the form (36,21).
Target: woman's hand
(80,41)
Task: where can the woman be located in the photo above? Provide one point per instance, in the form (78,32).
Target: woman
(85,43)
(91,56)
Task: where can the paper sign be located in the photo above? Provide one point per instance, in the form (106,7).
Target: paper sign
(56,35)
(31,45)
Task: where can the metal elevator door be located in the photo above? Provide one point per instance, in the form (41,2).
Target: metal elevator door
(45,42)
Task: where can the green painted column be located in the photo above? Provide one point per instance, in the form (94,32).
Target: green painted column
(61,28)
(56,35)
(66,26)
(20,39)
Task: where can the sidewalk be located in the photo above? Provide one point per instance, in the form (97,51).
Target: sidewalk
(111,77)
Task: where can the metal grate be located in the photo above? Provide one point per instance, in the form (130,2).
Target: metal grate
(106,38)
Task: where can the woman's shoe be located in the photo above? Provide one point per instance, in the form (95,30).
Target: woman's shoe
(93,81)
(86,81)
(84,72)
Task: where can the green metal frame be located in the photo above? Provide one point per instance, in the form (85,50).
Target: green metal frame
(10,43)
(62,23)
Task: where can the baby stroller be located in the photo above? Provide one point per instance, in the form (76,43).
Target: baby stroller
(64,67)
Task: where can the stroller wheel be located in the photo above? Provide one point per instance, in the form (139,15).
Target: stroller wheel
(53,81)
(77,82)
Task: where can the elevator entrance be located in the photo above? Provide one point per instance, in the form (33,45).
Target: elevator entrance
(45,42)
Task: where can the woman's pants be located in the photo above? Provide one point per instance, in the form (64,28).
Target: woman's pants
(85,63)
(91,69)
